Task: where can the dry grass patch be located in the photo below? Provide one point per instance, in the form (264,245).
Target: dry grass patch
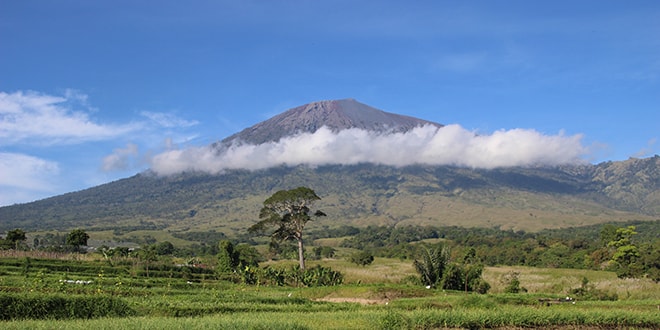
(382,270)
(561,281)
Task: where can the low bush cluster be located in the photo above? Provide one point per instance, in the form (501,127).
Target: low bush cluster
(310,277)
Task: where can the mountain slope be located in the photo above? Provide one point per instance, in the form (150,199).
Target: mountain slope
(521,198)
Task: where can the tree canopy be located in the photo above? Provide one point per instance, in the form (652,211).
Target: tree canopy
(77,238)
(288,211)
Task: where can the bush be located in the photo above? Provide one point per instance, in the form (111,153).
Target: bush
(512,282)
(321,276)
(589,292)
(316,276)
(361,258)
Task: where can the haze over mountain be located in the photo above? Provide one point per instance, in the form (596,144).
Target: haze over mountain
(345,132)
(369,167)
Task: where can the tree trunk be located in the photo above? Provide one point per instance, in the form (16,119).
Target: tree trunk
(301,255)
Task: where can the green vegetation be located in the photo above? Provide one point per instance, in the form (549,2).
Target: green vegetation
(362,258)
(84,291)
(288,211)
(58,306)
(417,277)
(529,199)
(76,239)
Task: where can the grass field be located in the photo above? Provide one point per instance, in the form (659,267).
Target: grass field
(372,297)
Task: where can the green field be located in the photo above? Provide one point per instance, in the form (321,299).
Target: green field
(372,297)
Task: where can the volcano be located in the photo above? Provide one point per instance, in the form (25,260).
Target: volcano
(358,194)
(336,115)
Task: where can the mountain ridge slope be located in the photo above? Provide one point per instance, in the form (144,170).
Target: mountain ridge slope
(521,198)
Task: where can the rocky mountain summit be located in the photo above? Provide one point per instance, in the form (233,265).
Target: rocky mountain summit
(337,115)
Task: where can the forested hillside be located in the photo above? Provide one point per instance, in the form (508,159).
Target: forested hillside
(528,199)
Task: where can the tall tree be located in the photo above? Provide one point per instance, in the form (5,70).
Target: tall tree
(288,211)
(77,238)
(15,237)
(626,254)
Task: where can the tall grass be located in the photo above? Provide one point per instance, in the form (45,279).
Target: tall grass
(371,300)
(560,281)
(373,318)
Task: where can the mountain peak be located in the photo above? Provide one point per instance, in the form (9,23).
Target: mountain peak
(337,115)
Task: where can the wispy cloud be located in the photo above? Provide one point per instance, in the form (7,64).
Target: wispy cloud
(648,150)
(33,124)
(23,176)
(449,145)
(36,118)
(168,120)
(121,159)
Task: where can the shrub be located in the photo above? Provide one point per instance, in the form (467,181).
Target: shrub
(321,276)
(315,276)
(362,258)
(512,282)
(588,291)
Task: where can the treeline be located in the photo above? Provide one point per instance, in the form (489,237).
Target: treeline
(631,249)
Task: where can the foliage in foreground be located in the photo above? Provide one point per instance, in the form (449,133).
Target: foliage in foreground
(436,270)
(58,306)
(205,302)
(374,318)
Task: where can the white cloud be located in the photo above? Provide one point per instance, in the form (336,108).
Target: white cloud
(24,177)
(450,145)
(168,120)
(648,150)
(31,117)
(121,159)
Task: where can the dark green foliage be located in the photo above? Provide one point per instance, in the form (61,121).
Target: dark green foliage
(13,239)
(283,250)
(436,270)
(324,252)
(560,248)
(362,258)
(32,306)
(588,291)
(248,255)
(163,248)
(373,237)
(321,276)
(315,276)
(512,283)
(431,266)
(453,277)
(228,258)
(288,211)
(77,238)
(650,258)
(626,254)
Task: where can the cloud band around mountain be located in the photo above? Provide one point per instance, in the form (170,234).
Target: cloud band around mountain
(449,145)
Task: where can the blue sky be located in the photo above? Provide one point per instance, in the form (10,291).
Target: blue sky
(94,91)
